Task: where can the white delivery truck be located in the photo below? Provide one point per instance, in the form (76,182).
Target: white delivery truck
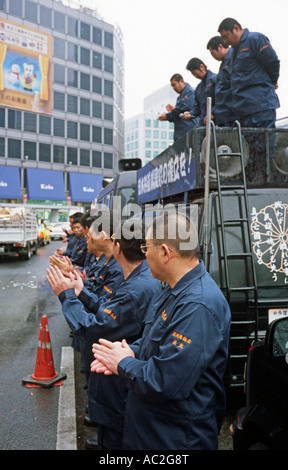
(18,232)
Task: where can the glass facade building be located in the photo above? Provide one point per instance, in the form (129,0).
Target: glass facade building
(84,130)
(145,136)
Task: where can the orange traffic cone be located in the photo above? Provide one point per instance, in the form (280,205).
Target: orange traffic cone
(44,373)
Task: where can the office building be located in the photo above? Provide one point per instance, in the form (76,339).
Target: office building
(61,101)
(145,136)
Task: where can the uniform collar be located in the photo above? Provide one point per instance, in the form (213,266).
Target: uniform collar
(141,267)
(189,278)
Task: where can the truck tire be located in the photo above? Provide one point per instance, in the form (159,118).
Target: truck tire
(28,253)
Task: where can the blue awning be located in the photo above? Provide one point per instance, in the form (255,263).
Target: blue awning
(10,186)
(45,185)
(84,187)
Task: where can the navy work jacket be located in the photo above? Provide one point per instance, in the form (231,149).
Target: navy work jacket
(204,90)
(107,278)
(79,252)
(223,106)
(254,74)
(176,396)
(185,102)
(120,316)
(72,240)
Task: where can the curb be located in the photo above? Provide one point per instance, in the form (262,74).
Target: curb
(66,427)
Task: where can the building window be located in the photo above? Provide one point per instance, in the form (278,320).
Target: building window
(59,74)
(72,130)
(58,151)
(108,161)
(2,5)
(14,148)
(2,117)
(85,31)
(2,147)
(96,159)
(15,8)
(97,36)
(97,109)
(14,119)
(45,125)
(85,56)
(108,112)
(59,127)
(31,9)
(59,100)
(108,40)
(72,52)
(84,132)
(108,136)
(108,64)
(72,78)
(97,60)
(108,88)
(72,104)
(30,150)
(72,156)
(45,16)
(44,152)
(97,85)
(84,81)
(97,134)
(84,157)
(59,48)
(85,106)
(30,122)
(59,21)
(72,26)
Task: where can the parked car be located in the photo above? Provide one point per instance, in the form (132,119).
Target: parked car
(43,233)
(56,230)
(263,423)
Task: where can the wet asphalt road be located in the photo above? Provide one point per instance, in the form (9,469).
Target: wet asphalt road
(29,416)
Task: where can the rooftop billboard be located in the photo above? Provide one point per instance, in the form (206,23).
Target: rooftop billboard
(25,68)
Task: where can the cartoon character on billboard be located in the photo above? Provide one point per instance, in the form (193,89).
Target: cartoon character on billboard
(28,77)
(14,76)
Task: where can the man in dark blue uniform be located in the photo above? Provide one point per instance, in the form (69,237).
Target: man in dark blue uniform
(185,102)
(222,112)
(175,372)
(123,315)
(204,90)
(254,75)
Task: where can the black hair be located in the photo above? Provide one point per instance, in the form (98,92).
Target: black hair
(228,24)
(194,64)
(177,77)
(215,42)
(131,238)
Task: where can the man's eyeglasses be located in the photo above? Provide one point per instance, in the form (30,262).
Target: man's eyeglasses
(144,248)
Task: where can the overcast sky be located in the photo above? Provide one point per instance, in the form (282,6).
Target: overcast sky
(160,36)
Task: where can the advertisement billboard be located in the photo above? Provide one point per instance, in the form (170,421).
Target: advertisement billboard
(25,68)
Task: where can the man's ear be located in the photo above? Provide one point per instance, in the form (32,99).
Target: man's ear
(166,253)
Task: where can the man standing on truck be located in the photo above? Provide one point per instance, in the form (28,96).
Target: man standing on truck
(185,101)
(254,75)
(205,89)
(222,112)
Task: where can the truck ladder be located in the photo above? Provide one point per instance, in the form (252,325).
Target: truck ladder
(243,223)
